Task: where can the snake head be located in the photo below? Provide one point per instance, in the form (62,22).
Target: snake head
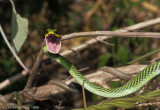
(53,40)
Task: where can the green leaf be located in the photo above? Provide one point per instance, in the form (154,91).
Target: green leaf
(19,28)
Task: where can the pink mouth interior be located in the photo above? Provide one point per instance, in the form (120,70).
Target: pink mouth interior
(53,43)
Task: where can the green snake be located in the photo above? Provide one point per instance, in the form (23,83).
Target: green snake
(53,45)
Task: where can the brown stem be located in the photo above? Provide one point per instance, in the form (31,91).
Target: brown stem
(34,69)
(111,33)
(115,72)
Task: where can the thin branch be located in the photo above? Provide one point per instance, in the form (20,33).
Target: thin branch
(104,42)
(13,6)
(62,85)
(34,69)
(12,50)
(115,72)
(141,25)
(111,33)
(13,79)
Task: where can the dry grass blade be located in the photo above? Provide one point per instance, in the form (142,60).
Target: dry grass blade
(84,97)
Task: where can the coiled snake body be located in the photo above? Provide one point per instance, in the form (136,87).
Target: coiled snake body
(133,85)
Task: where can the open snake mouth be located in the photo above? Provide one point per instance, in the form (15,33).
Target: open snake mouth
(53,42)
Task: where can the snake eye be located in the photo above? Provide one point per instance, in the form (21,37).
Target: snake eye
(57,32)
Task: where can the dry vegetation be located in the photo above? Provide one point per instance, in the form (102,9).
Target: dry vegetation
(87,53)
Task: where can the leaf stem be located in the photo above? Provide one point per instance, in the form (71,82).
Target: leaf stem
(13,6)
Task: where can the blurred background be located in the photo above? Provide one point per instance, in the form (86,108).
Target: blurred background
(70,16)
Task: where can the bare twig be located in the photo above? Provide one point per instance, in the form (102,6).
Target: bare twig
(104,42)
(13,79)
(111,33)
(141,25)
(83,69)
(12,50)
(62,85)
(34,69)
(13,6)
(115,72)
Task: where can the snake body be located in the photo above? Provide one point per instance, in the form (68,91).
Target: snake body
(53,45)
(133,85)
